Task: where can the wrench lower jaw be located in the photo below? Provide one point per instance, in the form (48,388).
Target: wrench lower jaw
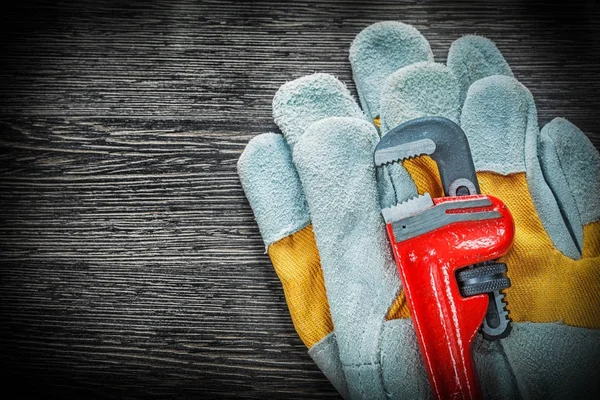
(489,278)
(496,324)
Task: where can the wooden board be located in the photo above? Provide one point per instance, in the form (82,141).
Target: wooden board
(131,264)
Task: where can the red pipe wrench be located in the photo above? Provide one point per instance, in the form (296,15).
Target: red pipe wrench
(444,249)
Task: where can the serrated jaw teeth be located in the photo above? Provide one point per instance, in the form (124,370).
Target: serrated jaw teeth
(403,152)
(408,208)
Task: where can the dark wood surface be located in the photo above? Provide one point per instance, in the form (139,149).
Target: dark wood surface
(131,265)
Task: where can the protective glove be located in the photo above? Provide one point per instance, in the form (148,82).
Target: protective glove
(323,168)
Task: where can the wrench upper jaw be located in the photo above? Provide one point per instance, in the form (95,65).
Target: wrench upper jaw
(441,139)
(387,154)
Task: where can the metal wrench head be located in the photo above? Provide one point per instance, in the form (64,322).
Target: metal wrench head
(442,140)
(446,143)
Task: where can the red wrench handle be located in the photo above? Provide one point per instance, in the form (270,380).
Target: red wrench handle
(445,322)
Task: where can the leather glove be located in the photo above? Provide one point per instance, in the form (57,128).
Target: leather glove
(321,172)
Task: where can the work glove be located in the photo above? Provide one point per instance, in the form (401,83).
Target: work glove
(317,196)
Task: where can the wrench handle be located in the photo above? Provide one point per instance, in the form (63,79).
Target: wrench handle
(445,322)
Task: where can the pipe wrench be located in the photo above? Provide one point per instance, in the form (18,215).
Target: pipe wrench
(444,249)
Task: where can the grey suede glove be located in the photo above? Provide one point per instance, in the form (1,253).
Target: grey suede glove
(322,172)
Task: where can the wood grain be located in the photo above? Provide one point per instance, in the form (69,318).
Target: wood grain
(131,265)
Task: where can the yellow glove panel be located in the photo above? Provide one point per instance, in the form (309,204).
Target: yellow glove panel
(297,264)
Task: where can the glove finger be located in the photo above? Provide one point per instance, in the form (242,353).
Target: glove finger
(471,58)
(334,162)
(500,120)
(419,90)
(571,166)
(274,192)
(272,187)
(378,51)
(333,157)
(303,101)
